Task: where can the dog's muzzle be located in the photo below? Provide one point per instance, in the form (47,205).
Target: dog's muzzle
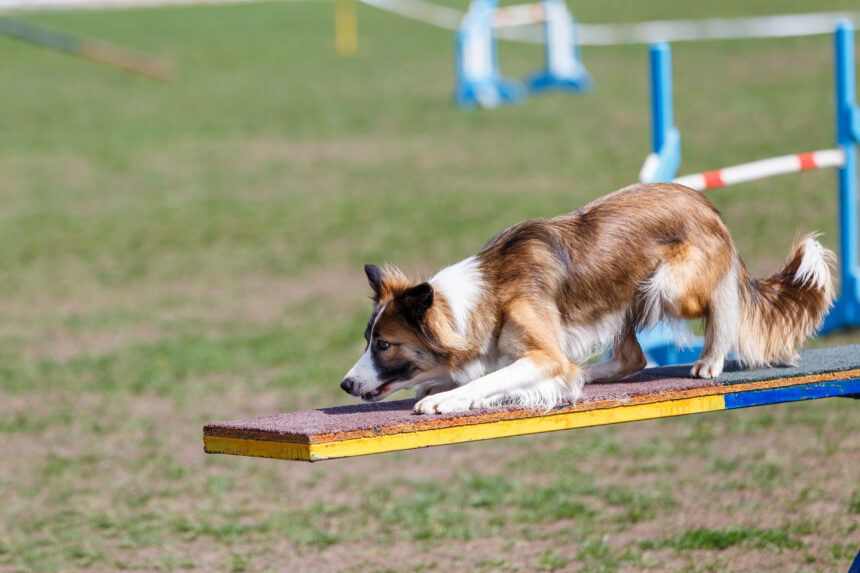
(349,386)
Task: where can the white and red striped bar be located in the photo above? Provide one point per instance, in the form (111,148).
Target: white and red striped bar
(519,15)
(764,168)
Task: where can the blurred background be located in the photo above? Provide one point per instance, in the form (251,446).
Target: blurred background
(176,253)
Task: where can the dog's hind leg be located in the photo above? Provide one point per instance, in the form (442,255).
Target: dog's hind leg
(627,359)
(721,326)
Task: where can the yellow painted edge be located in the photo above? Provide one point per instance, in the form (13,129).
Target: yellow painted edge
(257,448)
(467,433)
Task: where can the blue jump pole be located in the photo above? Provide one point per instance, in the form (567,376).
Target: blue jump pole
(564,69)
(479,81)
(660,57)
(665,137)
(846,312)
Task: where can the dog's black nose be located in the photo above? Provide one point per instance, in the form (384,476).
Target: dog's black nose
(347,385)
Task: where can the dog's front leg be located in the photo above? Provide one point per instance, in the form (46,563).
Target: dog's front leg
(434,387)
(518,374)
(521,374)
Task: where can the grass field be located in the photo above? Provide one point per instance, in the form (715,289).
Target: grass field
(175,254)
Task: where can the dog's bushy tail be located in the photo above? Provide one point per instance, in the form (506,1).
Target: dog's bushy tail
(778,313)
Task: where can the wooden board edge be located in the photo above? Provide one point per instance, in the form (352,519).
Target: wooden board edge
(304,440)
(256,448)
(517,427)
(465,420)
(523,426)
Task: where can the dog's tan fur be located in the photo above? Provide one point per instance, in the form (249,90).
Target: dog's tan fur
(554,290)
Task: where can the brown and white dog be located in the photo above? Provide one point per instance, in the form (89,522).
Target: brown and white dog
(511,324)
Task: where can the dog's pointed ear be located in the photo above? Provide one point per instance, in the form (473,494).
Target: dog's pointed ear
(375,276)
(416,300)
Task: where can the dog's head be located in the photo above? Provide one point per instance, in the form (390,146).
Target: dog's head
(402,349)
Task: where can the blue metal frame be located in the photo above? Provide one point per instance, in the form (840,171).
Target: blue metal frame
(495,89)
(846,312)
(659,343)
(580,81)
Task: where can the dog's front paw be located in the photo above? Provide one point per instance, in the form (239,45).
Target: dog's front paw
(707,369)
(444,403)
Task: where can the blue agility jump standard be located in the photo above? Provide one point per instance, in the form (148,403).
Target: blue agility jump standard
(479,82)
(665,159)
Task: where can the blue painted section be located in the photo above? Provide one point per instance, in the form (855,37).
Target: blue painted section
(792,393)
(846,311)
(477,62)
(666,142)
(855,566)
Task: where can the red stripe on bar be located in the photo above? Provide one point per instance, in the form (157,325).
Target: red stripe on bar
(807,160)
(713,179)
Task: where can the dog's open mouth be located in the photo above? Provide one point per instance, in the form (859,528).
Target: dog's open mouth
(373,395)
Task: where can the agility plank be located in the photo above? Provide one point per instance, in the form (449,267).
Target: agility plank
(362,429)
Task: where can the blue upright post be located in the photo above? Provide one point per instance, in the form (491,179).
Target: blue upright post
(846,312)
(663,163)
(564,69)
(662,110)
(477,62)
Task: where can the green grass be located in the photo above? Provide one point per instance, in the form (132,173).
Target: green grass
(719,539)
(854,502)
(175,254)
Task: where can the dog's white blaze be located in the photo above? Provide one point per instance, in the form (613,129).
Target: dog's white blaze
(582,341)
(364,373)
(461,284)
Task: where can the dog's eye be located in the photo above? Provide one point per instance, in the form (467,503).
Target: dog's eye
(382,345)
